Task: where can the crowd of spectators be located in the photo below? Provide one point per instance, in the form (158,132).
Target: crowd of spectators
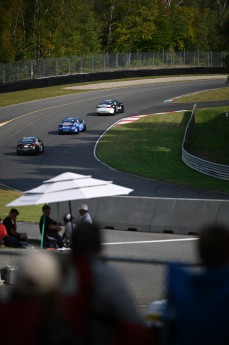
(76,298)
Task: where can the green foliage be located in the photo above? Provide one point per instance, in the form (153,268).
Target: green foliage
(37,29)
(135,32)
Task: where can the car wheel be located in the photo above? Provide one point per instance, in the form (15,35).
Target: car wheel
(43,149)
(60,132)
(18,153)
(122,109)
(85,128)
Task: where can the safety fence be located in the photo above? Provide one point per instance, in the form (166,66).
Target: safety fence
(203,166)
(150,275)
(62,66)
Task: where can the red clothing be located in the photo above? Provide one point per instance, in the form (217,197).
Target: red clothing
(3,231)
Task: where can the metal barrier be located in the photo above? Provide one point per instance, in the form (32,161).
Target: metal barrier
(203,166)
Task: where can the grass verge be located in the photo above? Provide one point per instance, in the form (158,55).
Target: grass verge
(210,135)
(211,95)
(11,98)
(151,147)
(27,213)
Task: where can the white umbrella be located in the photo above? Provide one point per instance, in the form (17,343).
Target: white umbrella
(66,187)
(69,186)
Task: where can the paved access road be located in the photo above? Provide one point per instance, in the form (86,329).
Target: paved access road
(75,153)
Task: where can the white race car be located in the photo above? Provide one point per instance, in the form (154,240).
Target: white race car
(110,107)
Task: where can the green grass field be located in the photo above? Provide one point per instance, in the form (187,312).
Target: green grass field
(211,95)
(27,213)
(210,135)
(151,147)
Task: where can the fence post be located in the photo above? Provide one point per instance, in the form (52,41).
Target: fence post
(4,73)
(31,70)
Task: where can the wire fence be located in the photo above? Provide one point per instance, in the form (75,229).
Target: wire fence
(149,285)
(46,68)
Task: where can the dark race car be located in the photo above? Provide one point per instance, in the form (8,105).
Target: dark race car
(110,107)
(72,125)
(30,145)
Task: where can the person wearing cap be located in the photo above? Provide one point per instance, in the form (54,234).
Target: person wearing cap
(51,228)
(84,215)
(11,226)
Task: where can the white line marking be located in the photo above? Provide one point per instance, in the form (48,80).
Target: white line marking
(153,241)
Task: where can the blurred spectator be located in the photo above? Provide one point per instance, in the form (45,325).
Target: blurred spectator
(5,239)
(38,275)
(84,215)
(198,301)
(213,246)
(37,289)
(69,228)
(112,314)
(50,229)
(11,226)
(3,232)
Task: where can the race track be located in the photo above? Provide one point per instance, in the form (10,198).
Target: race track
(75,152)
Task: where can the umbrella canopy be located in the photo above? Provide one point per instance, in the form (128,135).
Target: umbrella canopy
(66,187)
(69,186)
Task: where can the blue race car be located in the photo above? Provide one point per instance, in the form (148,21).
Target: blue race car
(72,125)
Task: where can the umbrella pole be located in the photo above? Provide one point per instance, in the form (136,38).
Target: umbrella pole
(70,207)
(70,211)
(43,231)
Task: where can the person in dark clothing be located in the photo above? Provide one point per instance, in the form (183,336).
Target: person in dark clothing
(14,238)
(198,300)
(7,240)
(51,229)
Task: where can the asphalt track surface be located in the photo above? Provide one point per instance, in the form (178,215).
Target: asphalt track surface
(75,153)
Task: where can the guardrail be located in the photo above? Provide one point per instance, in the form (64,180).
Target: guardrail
(203,166)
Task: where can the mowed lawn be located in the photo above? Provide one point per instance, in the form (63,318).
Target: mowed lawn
(151,147)
(210,135)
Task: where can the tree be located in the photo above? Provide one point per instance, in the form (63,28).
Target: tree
(35,29)
(136,31)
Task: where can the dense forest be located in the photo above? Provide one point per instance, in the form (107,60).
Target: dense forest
(37,29)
